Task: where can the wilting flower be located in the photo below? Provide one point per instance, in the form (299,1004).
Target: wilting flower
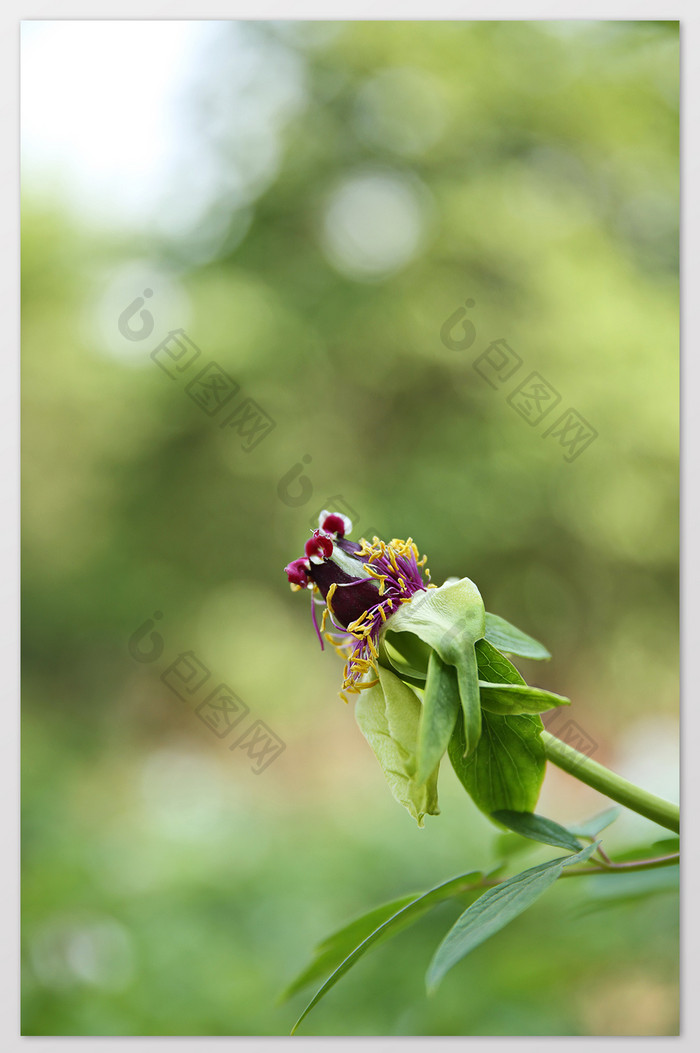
(388,618)
(361,585)
(424,661)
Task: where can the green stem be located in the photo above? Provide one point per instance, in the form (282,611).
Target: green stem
(613,786)
(625,868)
(585,869)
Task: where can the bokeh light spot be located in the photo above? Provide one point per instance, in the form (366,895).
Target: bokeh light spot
(375,223)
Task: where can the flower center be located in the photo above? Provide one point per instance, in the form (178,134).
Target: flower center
(362,584)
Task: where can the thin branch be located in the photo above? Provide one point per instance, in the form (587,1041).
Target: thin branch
(586,869)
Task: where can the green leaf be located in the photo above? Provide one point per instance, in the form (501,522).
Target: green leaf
(336,947)
(505,636)
(507,768)
(388,715)
(593,826)
(503,689)
(538,828)
(515,699)
(440,711)
(394,924)
(494,667)
(667,846)
(494,909)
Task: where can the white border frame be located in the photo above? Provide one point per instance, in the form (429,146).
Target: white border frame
(400,10)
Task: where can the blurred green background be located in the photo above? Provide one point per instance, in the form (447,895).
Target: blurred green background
(341,190)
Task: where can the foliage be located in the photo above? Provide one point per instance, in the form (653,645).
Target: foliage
(410,729)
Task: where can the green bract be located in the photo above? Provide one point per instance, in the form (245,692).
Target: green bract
(450,619)
(389,716)
(427,665)
(437,649)
(440,712)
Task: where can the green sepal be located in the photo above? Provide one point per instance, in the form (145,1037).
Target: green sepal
(388,715)
(470,697)
(447,619)
(450,619)
(407,653)
(441,703)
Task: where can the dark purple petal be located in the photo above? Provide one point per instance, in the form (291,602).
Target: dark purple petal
(351,597)
(318,547)
(298,572)
(335,524)
(351,547)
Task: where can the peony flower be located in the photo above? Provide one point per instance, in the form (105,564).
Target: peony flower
(424,661)
(360,585)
